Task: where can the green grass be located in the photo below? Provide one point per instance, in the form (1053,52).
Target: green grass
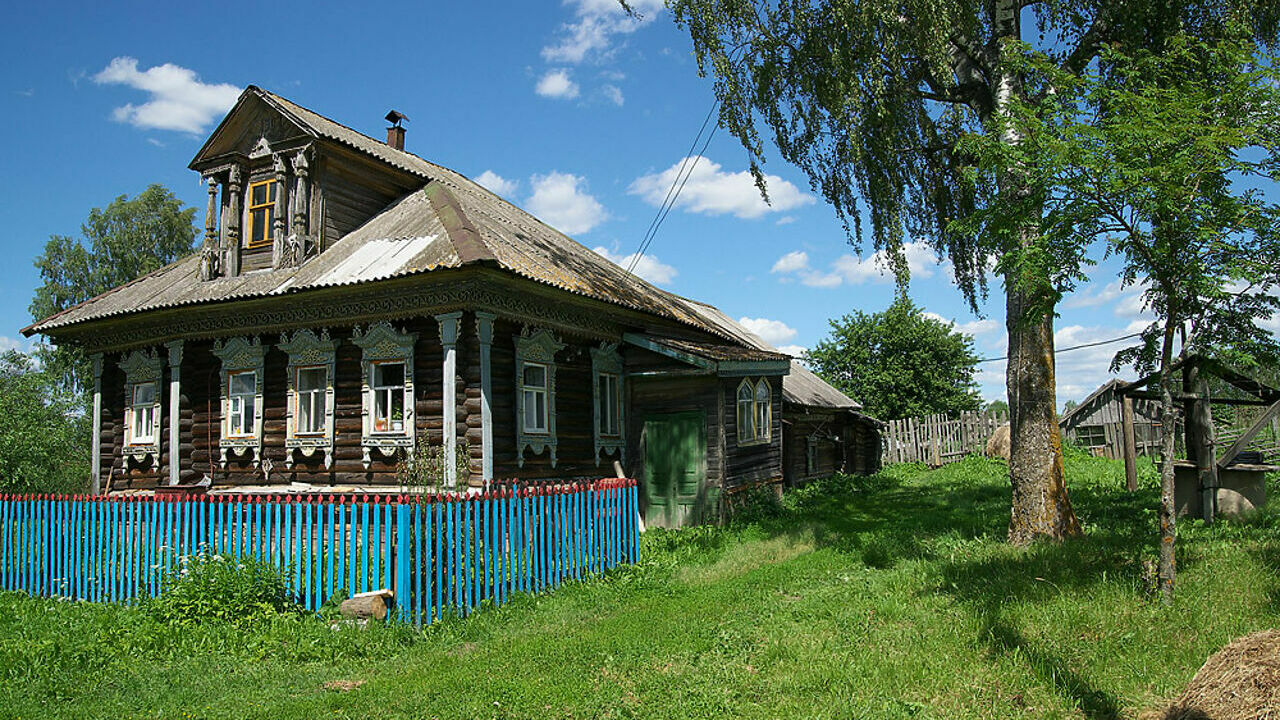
(888,597)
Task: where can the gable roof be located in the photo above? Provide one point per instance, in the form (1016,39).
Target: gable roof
(1108,386)
(450,222)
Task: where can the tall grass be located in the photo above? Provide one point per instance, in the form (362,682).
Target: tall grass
(893,596)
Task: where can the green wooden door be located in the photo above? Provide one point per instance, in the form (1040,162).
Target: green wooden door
(675,467)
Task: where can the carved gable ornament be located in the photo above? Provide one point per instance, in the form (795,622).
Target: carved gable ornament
(241,355)
(381,343)
(540,347)
(308,351)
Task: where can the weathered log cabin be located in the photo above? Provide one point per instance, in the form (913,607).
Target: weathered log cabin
(353,303)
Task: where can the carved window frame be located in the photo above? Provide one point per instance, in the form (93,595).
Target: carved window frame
(606,361)
(536,347)
(307,350)
(750,403)
(381,343)
(141,368)
(239,355)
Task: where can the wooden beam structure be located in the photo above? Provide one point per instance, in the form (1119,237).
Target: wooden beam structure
(1269,415)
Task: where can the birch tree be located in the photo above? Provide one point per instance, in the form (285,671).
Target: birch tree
(872,98)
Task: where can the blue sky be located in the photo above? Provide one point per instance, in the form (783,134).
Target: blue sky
(571,110)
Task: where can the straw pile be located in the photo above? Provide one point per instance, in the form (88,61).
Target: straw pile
(1239,682)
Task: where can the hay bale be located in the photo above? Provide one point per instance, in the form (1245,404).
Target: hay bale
(998,445)
(1239,682)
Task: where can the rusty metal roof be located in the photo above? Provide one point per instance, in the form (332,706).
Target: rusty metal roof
(450,222)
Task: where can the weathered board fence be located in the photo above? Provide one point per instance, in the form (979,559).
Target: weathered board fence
(937,440)
(438,553)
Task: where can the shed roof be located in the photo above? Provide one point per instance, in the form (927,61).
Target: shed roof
(450,222)
(801,386)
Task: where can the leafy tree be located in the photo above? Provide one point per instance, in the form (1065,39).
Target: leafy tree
(44,435)
(871,98)
(127,240)
(899,363)
(996,406)
(1163,163)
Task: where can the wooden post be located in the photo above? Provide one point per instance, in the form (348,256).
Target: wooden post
(175,406)
(1200,440)
(1130,450)
(449,386)
(300,204)
(279,223)
(95,443)
(484,329)
(233,221)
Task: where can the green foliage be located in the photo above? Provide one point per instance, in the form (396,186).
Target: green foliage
(44,433)
(889,596)
(424,469)
(208,586)
(899,363)
(128,239)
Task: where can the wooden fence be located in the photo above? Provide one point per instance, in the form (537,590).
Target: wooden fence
(438,553)
(938,439)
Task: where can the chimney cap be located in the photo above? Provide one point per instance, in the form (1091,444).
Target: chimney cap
(395,116)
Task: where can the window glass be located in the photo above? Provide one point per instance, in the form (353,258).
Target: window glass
(607,392)
(262,210)
(310,398)
(535,375)
(764,416)
(388,397)
(143,411)
(746,422)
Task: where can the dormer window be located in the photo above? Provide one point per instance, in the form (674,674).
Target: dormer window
(262,213)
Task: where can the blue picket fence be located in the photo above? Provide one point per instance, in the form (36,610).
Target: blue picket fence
(438,553)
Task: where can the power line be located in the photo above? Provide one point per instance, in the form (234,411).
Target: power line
(683,174)
(1075,347)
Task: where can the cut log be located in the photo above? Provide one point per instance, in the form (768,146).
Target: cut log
(372,604)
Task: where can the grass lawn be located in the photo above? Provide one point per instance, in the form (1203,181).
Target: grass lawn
(888,597)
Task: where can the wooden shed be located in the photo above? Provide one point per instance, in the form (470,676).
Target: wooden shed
(1097,423)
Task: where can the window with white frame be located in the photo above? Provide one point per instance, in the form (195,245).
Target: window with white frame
(387,379)
(143,409)
(387,386)
(607,391)
(755,412)
(536,393)
(310,373)
(311,384)
(242,373)
(242,401)
(533,388)
(143,372)
(610,398)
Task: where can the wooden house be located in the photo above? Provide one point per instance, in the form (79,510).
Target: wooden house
(353,303)
(1097,423)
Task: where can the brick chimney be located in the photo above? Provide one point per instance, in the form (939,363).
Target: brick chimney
(395,133)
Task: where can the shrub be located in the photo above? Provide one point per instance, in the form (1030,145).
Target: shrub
(209,586)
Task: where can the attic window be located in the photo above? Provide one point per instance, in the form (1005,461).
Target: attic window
(262,213)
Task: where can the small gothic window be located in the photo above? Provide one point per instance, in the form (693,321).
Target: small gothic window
(746,415)
(763,410)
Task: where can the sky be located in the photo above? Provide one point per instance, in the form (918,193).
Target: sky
(571,110)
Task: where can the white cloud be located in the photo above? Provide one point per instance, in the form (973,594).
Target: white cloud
(498,184)
(614,94)
(178,100)
(713,191)
(922,262)
(595,26)
(785,220)
(774,332)
(791,262)
(795,351)
(560,200)
(557,84)
(649,267)
(19,344)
